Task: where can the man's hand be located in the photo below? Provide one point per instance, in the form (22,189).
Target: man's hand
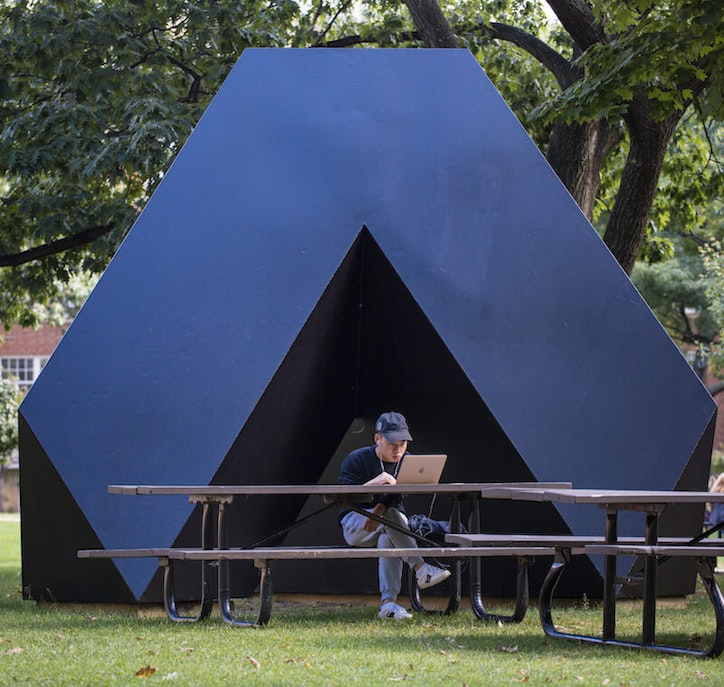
(371,525)
(381,479)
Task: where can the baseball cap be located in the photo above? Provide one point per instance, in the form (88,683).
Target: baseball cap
(393,427)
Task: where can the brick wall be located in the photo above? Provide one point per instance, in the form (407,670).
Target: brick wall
(20,341)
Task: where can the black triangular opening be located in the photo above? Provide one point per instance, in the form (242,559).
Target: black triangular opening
(351,361)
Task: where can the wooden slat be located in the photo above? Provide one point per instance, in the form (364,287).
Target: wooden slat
(547,540)
(323,489)
(123,553)
(300,553)
(698,551)
(281,553)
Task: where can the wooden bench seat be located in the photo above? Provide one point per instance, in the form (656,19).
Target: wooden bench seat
(276,553)
(261,556)
(559,540)
(698,550)
(298,553)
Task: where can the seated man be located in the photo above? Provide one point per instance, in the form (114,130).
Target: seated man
(374,465)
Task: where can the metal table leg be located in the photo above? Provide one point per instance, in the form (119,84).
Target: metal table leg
(226,607)
(609,577)
(455,579)
(207,574)
(648,630)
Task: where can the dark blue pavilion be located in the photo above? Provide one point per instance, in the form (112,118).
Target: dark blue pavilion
(348,232)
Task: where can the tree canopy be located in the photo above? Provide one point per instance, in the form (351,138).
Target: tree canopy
(97,97)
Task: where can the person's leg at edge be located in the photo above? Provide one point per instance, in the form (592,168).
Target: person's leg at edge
(389,569)
(427,575)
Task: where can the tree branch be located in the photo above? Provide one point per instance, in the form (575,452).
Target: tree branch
(552,60)
(430,22)
(55,247)
(577,18)
(339,11)
(195,88)
(356,39)
(716,388)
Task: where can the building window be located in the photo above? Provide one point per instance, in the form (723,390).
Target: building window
(22,371)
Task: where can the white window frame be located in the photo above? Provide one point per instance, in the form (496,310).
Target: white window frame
(33,366)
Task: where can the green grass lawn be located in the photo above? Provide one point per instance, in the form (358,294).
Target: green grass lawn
(326,644)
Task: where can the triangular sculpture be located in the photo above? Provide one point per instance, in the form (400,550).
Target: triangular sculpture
(348,232)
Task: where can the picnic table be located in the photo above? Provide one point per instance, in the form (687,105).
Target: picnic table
(613,501)
(214,551)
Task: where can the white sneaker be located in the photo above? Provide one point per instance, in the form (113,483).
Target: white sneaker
(430,575)
(393,611)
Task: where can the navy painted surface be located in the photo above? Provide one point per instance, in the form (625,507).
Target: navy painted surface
(303,155)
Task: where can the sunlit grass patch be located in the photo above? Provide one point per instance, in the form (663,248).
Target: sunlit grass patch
(331,644)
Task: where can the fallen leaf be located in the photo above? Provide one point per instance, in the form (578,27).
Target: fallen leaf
(399,679)
(428,626)
(700,675)
(442,651)
(509,649)
(91,618)
(254,662)
(145,672)
(14,650)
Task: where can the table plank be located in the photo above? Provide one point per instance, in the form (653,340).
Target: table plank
(603,496)
(321,489)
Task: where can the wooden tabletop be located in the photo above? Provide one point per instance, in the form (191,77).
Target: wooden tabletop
(322,489)
(603,497)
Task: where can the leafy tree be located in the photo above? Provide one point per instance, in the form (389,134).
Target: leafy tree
(9,401)
(99,97)
(713,257)
(628,66)
(96,99)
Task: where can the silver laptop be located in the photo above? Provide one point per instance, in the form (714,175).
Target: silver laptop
(421,469)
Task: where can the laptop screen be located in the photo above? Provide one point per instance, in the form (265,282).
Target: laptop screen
(421,469)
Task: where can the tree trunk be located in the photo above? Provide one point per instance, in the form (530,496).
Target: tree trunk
(431,24)
(576,152)
(649,140)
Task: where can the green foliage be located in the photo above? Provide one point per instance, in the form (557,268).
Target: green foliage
(668,50)
(669,287)
(713,257)
(9,401)
(99,98)
(692,179)
(690,188)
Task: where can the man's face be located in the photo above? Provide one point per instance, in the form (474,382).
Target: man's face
(390,451)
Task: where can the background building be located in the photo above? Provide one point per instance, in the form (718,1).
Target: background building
(23,353)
